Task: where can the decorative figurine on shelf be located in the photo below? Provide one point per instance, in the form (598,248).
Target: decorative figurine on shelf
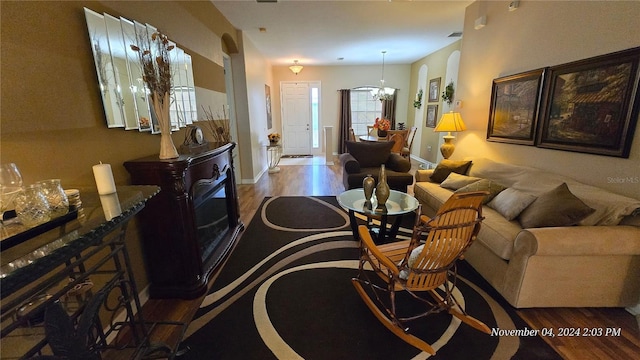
(383,125)
(274,138)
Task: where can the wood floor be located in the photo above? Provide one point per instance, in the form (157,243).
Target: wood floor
(327,180)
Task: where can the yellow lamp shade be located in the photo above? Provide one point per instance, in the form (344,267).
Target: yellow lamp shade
(451,121)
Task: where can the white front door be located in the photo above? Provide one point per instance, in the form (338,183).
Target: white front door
(296,118)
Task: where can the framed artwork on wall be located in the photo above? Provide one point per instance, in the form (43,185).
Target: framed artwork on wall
(432,115)
(591,105)
(267,96)
(513,114)
(434,90)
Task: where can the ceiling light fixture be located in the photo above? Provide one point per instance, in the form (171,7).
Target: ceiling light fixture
(382,93)
(295,68)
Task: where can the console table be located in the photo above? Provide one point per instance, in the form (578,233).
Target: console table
(77,269)
(191,226)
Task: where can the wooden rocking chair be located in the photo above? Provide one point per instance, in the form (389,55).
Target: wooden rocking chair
(421,265)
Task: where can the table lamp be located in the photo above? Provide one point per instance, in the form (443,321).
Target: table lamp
(451,121)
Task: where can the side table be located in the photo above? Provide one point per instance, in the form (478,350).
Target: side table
(397,205)
(274,153)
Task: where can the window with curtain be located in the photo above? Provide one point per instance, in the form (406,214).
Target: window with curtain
(364,110)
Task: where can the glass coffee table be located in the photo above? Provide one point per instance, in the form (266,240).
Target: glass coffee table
(397,205)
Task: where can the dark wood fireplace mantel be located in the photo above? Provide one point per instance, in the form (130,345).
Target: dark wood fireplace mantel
(190,226)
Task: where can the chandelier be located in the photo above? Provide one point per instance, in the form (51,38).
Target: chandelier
(295,68)
(382,93)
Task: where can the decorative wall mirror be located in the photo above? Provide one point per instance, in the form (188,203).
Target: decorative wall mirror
(138,88)
(142,31)
(191,89)
(176,108)
(124,95)
(102,59)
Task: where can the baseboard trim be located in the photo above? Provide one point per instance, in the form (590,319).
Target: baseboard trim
(122,316)
(254,180)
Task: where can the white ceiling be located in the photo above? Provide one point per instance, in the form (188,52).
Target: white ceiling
(318,32)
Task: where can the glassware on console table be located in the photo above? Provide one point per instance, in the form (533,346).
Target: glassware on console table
(56,197)
(32,207)
(10,185)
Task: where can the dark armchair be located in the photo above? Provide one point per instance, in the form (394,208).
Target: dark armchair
(364,158)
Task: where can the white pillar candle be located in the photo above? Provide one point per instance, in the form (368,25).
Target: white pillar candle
(104,179)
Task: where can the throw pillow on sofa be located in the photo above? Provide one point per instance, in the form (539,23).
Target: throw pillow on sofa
(455,181)
(558,207)
(370,154)
(483,185)
(446,167)
(511,202)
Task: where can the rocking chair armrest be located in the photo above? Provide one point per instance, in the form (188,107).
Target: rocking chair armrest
(367,241)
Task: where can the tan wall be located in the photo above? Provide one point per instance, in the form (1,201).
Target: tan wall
(426,141)
(252,127)
(540,34)
(53,123)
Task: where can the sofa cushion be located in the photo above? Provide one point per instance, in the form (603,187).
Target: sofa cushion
(484,185)
(511,202)
(446,167)
(496,232)
(423,175)
(610,208)
(558,207)
(370,154)
(505,174)
(455,181)
(431,195)
(398,163)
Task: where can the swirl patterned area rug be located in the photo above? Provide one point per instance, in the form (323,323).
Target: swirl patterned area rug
(285,293)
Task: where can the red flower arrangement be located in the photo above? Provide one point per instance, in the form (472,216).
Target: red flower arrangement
(382,124)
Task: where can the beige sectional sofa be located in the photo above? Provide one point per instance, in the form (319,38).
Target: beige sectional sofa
(595,263)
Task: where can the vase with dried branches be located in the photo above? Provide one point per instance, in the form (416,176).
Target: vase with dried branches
(153,54)
(219,125)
